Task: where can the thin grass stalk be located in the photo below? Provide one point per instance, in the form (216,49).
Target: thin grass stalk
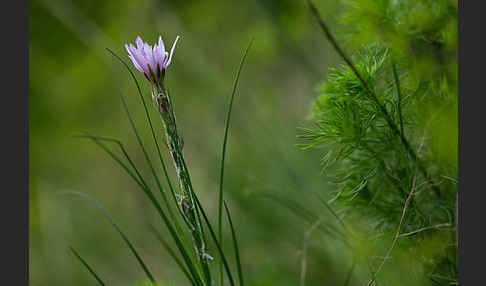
(399,94)
(235,245)
(148,192)
(173,255)
(93,273)
(223,155)
(215,239)
(118,229)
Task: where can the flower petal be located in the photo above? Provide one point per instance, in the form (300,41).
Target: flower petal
(157,56)
(159,52)
(137,55)
(149,56)
(171,52)
(139,42)
(137,66)
(161,45)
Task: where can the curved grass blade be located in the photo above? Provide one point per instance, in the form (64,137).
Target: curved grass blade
(96,140)
(154,201)
(172,254)
(326,204)
(225,139)
(140,181)
(87,266)
(399,94)
(122,234)
(215,239)
(308,216)
(235,244)
(350,272)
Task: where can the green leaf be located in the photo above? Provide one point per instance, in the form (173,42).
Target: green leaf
(173,255)
(76,254)
(235,245)
(122,234)
(228,118)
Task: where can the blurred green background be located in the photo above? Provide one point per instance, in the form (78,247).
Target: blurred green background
(73,88)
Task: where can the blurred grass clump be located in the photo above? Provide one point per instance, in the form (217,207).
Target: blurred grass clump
(288,233)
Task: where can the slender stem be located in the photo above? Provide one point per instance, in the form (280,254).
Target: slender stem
(186,202)
(350,272)
(371,93)
(397,233)
(87,266)
(235,245)
(223,156)
(437,226)
(399,93)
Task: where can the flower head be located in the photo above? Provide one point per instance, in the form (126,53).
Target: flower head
(151,61)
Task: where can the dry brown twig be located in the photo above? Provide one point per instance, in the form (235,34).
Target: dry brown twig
(307,234)
(402,219)
(437,226)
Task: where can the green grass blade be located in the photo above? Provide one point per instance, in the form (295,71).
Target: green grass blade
(350,272)
(235,244)
(308,216)
(399,94)
(149,194)
(97,139)
(122,148)
(192,191)
(76,254)
(223,155)
(215,239)
(115,225)
(192,194)
(151,197)
(333,213)
(173,255)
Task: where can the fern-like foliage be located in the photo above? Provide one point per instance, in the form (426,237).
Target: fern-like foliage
(407,56)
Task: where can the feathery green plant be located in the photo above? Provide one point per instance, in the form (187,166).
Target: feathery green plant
(378,118)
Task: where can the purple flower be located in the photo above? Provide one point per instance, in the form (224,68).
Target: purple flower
(151,61)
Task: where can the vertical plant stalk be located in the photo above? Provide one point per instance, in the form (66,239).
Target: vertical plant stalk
(399,93)
(223,156)
(186,202)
